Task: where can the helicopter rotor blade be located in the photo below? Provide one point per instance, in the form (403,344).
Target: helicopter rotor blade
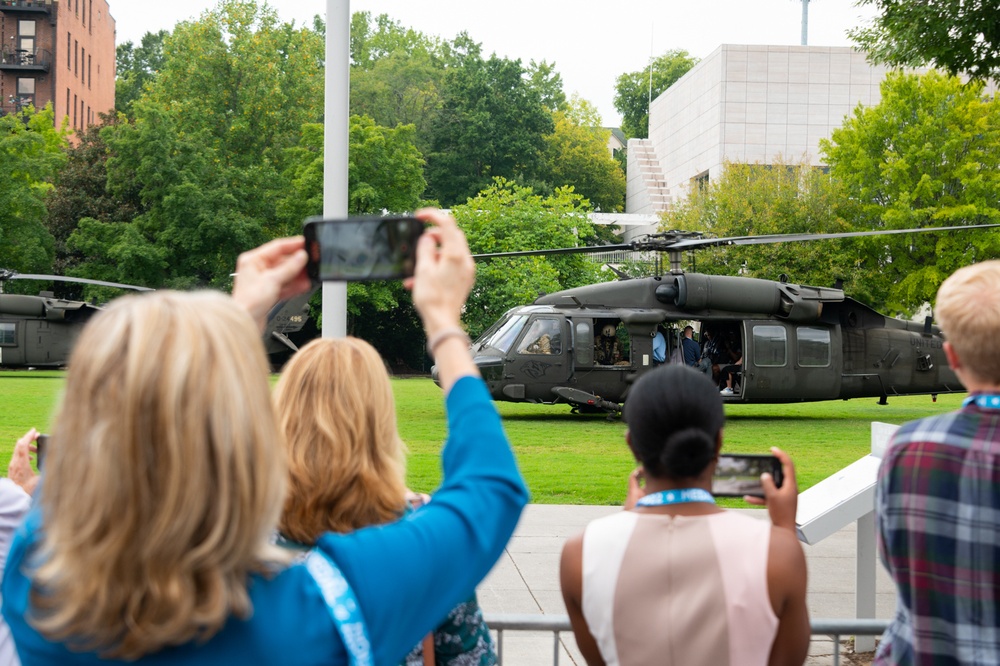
(7,275)
(585,249)
(692,244)
(679,241)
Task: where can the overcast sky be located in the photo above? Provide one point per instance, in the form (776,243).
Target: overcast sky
(591,42)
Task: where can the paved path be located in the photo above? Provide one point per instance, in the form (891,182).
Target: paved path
(526,580)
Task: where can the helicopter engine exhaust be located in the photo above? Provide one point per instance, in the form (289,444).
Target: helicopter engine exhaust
(698,292)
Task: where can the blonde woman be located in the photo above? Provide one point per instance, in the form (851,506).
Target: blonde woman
(346,469)
(165,476)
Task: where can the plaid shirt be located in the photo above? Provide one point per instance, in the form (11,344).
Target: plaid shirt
(938,508)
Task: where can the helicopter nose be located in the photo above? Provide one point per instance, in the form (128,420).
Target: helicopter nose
(434,375)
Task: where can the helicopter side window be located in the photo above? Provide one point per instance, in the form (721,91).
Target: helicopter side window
(7,334)
(584,343)
(504,336)
(813,346)
(542,337)
(770,346)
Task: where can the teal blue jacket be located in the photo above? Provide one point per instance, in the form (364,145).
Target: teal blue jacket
(406,575)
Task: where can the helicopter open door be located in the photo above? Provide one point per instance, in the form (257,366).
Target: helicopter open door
(786,362)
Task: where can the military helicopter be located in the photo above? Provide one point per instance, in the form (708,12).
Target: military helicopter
(39,331)
(782,342)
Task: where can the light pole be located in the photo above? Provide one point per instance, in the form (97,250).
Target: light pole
(335,146)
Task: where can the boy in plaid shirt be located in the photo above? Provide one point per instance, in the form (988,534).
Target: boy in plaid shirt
(938,496)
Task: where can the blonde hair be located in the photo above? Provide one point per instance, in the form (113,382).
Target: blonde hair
(164,479)
(346,460)
(968,310)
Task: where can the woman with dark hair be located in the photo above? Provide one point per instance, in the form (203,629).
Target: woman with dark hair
(674,579)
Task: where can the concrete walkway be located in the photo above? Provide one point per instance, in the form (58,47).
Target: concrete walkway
(526,580)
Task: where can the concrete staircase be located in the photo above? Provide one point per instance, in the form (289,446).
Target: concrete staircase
(642,156)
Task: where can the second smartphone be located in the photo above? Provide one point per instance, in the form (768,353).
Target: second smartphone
(737,475)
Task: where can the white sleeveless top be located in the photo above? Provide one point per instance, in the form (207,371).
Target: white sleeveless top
(662,589)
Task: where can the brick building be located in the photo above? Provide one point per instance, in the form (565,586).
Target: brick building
(61,51)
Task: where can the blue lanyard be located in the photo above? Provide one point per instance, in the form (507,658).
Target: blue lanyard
(679,496)
(342,606)
(983,400)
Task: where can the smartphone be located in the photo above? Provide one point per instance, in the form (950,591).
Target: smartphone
(41,443)
(737,475)
(362,248)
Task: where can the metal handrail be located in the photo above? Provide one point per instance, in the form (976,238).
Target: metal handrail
(833,627)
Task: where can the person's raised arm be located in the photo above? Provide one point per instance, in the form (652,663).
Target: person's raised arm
(273,272)
(409,574)
(444,275)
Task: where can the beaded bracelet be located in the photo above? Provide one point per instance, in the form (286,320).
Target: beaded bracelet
(444,334)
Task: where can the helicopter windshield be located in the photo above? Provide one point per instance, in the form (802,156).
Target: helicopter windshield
(503,336)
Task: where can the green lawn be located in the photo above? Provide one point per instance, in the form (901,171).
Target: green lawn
(566,458)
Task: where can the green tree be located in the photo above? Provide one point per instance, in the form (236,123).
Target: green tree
(82,191)
(197,212)
(958,36)
(632,89)
(136,67)
(384,174)
(927,155)
(544,78)
(396,75)
(576,154)
(243,79)
(758,199)
(31,153)
(508,217)
(492,123)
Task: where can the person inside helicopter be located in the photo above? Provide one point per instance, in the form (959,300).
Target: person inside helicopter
(607,346)
(542,338)
(733,354)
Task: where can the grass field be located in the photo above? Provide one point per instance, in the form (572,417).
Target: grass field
(566,458)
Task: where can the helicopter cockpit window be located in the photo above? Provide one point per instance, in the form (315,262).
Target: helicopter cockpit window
(505,335)
(7,336)
(542,337)
(770,346)
(813,346)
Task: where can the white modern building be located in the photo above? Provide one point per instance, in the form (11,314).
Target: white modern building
(745,104)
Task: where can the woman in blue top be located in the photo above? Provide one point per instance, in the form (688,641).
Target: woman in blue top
(165,478)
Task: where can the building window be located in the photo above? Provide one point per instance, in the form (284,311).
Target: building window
(84,17)
(89,77)
(76,58)
(8,334)
(770,348)
(814,347)
(69,53)
(74,111)
(25,93)
(83,120)
(83,58)
(67,101)
(701,180)
(26,41)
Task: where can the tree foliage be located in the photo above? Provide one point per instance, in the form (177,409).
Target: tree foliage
(927,155)
(31,153)
(758,199)
(508,217)
(633,90)
(136,67)
(576,155)
(396,75)
(82,191)
(492,124)
(243,78)
(958,36)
